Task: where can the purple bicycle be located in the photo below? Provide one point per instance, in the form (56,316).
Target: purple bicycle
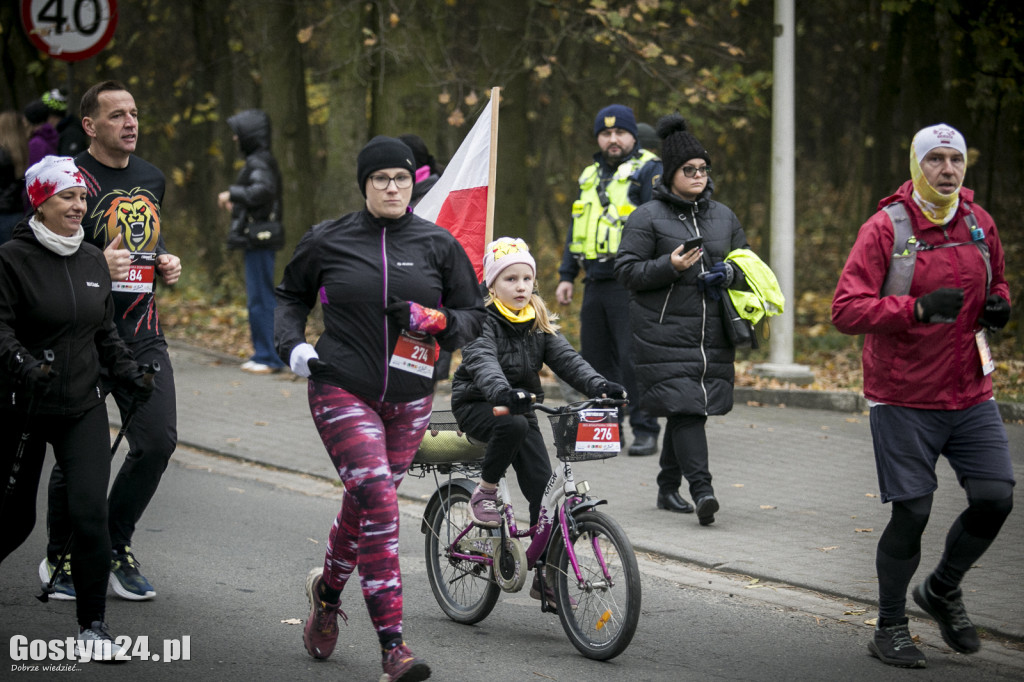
(590,563)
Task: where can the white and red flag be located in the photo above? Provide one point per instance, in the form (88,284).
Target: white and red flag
(462,200)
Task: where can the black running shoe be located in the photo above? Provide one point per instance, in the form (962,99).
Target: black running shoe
(893,645)
(957,629)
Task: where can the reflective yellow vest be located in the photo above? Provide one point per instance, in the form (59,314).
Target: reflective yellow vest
(597,224)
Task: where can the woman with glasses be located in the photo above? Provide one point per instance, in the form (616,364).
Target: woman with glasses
(682,355)
(380,275)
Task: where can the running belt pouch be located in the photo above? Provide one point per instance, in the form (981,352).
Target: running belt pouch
(739,330)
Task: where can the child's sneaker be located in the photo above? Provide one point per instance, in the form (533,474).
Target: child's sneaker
(125,578)
(483,507)
(400,664)
(94,643)
(63,587)
(321,631)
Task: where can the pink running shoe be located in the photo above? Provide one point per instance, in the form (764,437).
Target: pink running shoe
(321,631)
(483,507)
(400,664)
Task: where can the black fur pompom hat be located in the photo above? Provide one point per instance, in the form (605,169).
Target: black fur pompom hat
(678,145)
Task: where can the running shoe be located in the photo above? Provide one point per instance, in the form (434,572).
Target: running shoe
(321,631)
(483,507)
(63,587)
(957,629)
(125,578)
(94,643)
(400,665)
(893,645)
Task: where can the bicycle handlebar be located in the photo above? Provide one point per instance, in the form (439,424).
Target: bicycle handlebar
(501,410)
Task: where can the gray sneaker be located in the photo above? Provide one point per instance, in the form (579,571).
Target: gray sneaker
(893,645)
(957,629)
(94,643)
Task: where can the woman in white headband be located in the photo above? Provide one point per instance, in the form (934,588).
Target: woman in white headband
(55,297)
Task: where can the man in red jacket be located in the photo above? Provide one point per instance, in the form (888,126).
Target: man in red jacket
(927,379)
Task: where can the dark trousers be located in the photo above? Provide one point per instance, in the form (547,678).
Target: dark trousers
(684,454)
(259,289)
(81,446)
(606,342)
(152,437)
(511,439)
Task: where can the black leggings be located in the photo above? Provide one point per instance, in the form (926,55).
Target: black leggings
(899,548)
(81,446)
(152,437)
(511,439)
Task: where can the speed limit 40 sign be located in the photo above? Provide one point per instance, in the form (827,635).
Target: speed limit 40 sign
(70,30)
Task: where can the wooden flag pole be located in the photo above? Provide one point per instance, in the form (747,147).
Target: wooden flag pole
(492,166)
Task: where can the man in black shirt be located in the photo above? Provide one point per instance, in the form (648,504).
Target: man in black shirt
(123,218)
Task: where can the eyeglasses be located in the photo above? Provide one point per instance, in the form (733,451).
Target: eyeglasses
(381,182)
(690,171)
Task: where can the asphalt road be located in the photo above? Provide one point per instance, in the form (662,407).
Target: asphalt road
(227,546)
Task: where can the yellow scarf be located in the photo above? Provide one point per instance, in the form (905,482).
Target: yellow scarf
(938,208)
(524,315)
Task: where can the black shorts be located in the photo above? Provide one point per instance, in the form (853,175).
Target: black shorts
(908,443)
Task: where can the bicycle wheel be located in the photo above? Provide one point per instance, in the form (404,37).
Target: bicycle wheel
(600,616)
(464,589)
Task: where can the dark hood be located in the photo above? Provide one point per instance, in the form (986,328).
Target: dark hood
(252,127)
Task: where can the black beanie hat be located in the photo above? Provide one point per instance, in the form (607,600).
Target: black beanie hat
(678,145)
(37,112)
(383,152)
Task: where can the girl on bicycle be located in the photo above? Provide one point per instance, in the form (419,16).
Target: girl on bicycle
(502,367)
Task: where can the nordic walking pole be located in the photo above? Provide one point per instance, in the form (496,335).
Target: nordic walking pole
(25,435)
(149,372)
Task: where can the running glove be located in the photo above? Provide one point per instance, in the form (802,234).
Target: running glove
(610,389)
(996,313)
(37,381)
(140,385)
(417,318)
(300,358)
(517,400)
(940,306)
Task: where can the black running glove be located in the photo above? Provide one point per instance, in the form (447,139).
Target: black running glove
(942,305)
(37,381)
(996,313)
(610,389)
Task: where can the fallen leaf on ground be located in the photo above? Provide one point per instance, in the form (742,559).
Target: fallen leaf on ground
(862,530)
(292,621)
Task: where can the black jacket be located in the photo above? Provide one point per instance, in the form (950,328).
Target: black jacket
(256,193)
(355,266)
(681,355)
(61,303)
(510,355)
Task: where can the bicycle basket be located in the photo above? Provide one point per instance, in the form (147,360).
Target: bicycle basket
(444,443)
(565,428)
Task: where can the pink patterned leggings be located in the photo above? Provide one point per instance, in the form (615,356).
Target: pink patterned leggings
(371,446)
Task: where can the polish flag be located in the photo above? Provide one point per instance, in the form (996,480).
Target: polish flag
(460,201)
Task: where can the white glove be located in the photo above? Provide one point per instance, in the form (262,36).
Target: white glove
(300,357)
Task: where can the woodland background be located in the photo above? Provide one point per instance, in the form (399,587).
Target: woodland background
(332,74)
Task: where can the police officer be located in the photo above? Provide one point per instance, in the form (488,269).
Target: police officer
(620,179)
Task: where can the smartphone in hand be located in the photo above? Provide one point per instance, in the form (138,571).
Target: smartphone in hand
(691,244)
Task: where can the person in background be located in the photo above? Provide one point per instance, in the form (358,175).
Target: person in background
(43,137)
(621,178)
(502,367)
(380,275)
(927,379)
(683,356)
(648,138)
(13,162)
(55,296)
(122,217)
(428,171)
(257,227)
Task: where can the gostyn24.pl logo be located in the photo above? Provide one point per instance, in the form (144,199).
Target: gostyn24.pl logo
(68,649)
